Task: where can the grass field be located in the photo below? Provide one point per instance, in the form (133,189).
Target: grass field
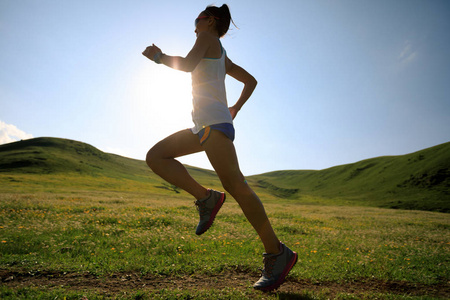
(419,180)
(77,223)
(130,245)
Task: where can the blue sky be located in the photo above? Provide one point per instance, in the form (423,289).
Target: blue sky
(338,81)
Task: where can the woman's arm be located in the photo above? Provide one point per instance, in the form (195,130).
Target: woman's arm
(246,78)
(187,63)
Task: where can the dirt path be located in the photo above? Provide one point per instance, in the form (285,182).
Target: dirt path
(118,283)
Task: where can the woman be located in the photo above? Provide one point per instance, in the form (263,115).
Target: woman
(214,133)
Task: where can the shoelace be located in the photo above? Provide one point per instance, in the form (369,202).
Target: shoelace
(201,207)
(269,263)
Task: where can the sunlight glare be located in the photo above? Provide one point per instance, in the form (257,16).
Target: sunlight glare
(162,99)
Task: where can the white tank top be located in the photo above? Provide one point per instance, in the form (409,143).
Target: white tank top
(208,92)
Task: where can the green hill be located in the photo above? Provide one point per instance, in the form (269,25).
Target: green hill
(414,181)
(51,164)
(419,180)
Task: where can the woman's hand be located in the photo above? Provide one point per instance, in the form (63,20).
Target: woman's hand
(150,51)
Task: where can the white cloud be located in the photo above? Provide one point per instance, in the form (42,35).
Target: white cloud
(10,133)
(408,54)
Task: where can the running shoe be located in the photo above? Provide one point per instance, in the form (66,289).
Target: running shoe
(208,209)
(276,268)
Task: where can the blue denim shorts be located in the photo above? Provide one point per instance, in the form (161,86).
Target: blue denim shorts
(225,128)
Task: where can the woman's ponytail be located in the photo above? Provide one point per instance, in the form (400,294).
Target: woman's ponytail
(223,16)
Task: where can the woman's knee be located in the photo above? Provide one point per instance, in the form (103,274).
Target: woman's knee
(237,189)
(152,157)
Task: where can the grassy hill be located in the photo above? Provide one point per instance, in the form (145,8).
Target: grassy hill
(414,181)
(53,164)
(419,180)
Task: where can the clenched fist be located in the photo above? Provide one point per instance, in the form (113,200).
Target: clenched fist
(150,51)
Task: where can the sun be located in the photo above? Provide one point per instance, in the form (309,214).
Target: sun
(158,103)
(162,98)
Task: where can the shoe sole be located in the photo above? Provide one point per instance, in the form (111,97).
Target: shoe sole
(283,276)
(214,213)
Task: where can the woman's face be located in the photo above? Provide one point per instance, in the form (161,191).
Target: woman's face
(203,23)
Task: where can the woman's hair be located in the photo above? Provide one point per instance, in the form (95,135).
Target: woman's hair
(222,16)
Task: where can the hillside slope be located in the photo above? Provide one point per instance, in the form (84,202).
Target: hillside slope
(418,180)
(75,164)
(55,156)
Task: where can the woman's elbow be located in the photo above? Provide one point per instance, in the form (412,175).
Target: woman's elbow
(252,81)
(188,68)
(184,65)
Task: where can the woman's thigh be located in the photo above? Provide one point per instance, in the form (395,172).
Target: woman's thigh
(222,155)
(178,144)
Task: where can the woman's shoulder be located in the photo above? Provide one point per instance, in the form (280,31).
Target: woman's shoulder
(212,43)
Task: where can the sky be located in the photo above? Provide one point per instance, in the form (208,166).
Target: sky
(339,81)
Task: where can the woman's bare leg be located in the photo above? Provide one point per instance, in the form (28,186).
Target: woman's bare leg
(222,155)
(161,159)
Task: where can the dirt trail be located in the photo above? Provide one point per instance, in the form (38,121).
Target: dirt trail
(118,283)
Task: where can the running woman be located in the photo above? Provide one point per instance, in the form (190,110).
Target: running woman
(213,132)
